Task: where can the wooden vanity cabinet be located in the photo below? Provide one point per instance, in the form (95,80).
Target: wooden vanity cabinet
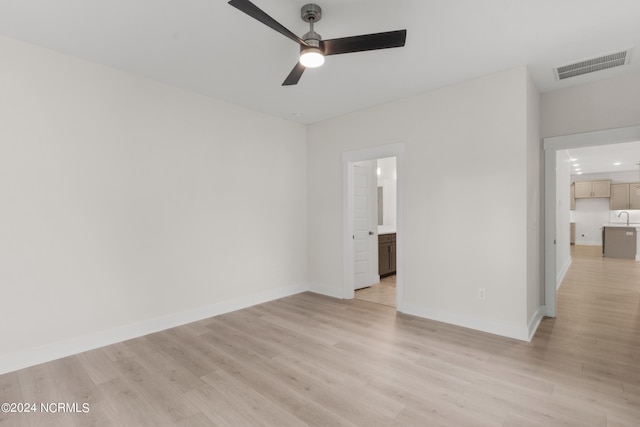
(386,254)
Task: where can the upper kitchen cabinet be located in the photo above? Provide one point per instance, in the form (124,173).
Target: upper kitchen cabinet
(590,189)
(634,196)
(619,197)
(624,196)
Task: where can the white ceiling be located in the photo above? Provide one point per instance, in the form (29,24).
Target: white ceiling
(212,48)
(605,158)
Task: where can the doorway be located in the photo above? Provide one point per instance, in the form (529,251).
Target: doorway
(553,228)
(350,269)
(382,289)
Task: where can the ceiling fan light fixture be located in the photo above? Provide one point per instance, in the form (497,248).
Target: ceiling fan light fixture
(312,48)
(311,57)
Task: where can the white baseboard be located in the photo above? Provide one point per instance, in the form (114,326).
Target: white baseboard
(563,272)
(588,243)
(326,290)
(496,328)
(45,353)
(535,322)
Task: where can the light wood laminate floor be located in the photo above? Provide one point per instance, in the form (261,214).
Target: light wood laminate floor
(313,360)
(383,292)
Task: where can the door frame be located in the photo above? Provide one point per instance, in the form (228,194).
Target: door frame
(348,158)
(551,146)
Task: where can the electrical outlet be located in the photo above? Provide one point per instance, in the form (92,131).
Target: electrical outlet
(482,293)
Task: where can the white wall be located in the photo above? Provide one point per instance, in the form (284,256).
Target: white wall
(126,205)
(607,104)
(634,216)
(590,215)
(466,218)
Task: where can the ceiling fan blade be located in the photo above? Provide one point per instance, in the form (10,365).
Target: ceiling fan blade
(255,12)
(294,75)
(364,42)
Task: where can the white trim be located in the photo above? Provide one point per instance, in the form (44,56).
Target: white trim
(535,322)
(327,290)
(592,139)
(510,331)
(550,275)
(551,146)
(56,350)
(348,158)
(563,272)
(588,243)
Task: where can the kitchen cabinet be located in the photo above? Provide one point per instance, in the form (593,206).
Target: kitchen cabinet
(634,195)
(386,254)
(619,197)
(591,189)
(573,197)
(620,242)
(624,196)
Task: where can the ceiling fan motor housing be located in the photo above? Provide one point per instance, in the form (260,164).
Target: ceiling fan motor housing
(312,38)
(311,13)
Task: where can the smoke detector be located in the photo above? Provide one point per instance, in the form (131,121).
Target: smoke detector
(612,60)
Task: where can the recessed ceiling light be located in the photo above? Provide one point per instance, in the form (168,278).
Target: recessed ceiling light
(578,169)
(617,164)
(576,165)
(572,159)
(579,173)
(296,114)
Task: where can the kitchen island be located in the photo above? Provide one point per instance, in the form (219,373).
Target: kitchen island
(620,240)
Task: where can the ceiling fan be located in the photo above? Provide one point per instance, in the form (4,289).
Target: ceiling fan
(312,48)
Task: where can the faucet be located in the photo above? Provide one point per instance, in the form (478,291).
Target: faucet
(624,212)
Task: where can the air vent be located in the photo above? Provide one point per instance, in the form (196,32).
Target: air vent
(612,60)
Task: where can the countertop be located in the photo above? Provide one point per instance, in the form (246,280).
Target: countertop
(386,229)
(622,224)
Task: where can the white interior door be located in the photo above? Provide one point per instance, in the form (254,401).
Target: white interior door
(365,220)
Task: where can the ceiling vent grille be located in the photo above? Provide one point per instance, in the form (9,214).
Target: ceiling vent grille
(612,60)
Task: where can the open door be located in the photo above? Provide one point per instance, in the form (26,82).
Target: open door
(365,224)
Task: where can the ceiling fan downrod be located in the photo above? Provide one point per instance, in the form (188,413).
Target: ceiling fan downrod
(311,13)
